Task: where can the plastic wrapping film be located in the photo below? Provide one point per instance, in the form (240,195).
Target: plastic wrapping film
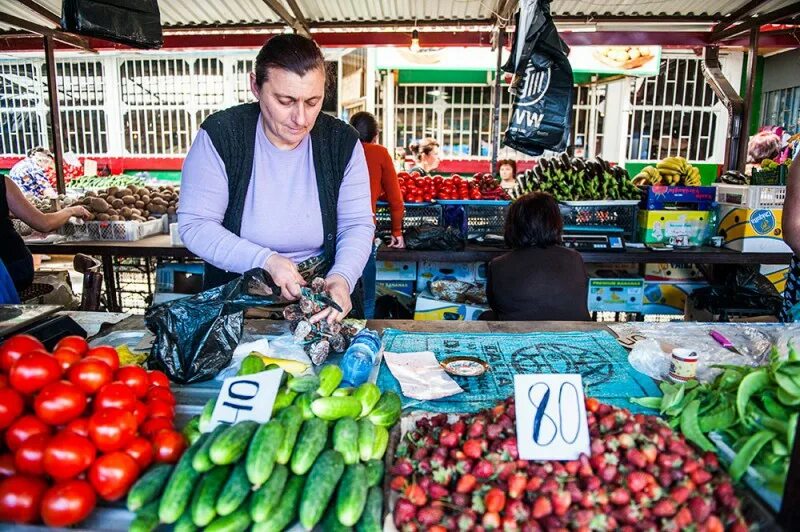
(133,22)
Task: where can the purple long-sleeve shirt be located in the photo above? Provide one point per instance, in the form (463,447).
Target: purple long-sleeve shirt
(281,211)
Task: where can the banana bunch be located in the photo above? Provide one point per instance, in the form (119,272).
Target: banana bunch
(678,171)
(648,176)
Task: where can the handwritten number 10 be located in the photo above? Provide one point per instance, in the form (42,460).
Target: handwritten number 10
(244,392)
(568,408)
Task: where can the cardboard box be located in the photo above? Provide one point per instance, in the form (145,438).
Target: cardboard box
(458,271)
(752,230)
(389,270)
(667,298)
(694,198)
(428,308)
(776,273)
(404,287)
(615,295)
(672,272)
(680,228)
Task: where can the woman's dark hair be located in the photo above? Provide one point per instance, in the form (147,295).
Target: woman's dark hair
(534,220)
(423,147)
(512,163)
(291,52)
(366,125)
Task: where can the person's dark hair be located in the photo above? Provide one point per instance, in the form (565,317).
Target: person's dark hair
(534,220)
(423,147)
(291,52)
(511,162)
(366,125)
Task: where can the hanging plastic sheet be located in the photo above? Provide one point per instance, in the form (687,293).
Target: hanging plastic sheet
(133,22)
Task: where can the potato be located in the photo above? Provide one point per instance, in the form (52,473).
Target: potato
(145,213)
(137,197)
(138,219)
(142,191)
(112,212)
(133,188)
(126,212)
(103,217)
(120,193)
(139,204)
(91,217)
(145,198)
(156,208)
(117,203)
(117,218)
(136,212)
(111,191)
(91,194)
(128,200)
(99,205)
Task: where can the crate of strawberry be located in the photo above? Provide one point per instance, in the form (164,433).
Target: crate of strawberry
(464,473)
(77,429)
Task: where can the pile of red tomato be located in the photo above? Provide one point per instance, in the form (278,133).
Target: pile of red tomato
(418,189)
(75,426)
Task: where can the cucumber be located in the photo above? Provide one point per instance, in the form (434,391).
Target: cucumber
(176,494)
(265,498)
(261,453)
(380,443)
(229,446)
(304,401)
(185,523)
(368,395)
(387,410)
(291,419)
(345,439)
(284,398)
(342,392)
(374,472)
(333,408)
(146,518)
(204,423)
(202,461)
(191,430)
(320,485)
(352,495)
(234,492)
(330,523)
(149,486)
(238,521)
(366,438)
(310,442)
(251,364)
(306,383)
(284,514)
(330,377)
(371,519)
(204,500)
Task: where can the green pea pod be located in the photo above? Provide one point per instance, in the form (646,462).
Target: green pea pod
(794,354)
(721,418)
(752,383)
(773,407)
(787,398)
(787,383)
(672,398)
(691,429)
(779,448)
(677,408)
(647,402)
(748,452)
(791,428)
(790,368)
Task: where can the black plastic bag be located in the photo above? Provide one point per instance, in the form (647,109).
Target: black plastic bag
(433,237)
(133,22)
(742,291)
(196,336)
(542,111)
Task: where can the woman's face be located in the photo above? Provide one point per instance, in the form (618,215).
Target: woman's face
(431,160)
(290,104)
(506,172)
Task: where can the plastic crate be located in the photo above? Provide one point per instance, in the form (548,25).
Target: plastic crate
(117,231)
(604,213)
(774,177)
(751,196)
(483,217)
(417,214)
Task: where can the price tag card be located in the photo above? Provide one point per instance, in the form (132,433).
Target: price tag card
(247,397)
(551,417)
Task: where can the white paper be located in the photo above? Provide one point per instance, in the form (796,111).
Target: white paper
(551,417)
(247,397)
(420,375)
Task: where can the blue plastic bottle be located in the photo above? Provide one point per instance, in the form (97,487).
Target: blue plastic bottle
(360,357)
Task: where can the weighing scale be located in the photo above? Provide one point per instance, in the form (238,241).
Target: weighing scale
(38,321)
(593,238)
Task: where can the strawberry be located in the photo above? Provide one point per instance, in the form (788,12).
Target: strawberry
(460,500)
(680,494)
(437,528)
(495,500)
(534,484)
(459,427)
(439,420)
(448,438)
(517,509)
(712,524)
(466,483)
(404,512)
(398,483)
(402,467)
(541,508)
(701,476)
(665,479)
(724,488)
(650,453)
(598,447)
(668,461)
(608,473)
(476,429)
(510,447)
(516,485)
(678,447)
(626,441)
(592,483)
(416,495)
(429,515)
(493,431)
(437,491)
(550,485)
(711,460)
(664,508)
(491,521)
(572,467)
(466,520)
(683,518)
(473,448)
(636,458)
(592,404)
(619,497)
(739,526)
(483,469)
(561,502)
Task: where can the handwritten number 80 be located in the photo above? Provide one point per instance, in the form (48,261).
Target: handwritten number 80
(545,428)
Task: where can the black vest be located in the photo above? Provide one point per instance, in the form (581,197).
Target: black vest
(233,133)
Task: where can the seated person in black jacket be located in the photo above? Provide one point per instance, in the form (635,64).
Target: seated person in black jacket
(539,279)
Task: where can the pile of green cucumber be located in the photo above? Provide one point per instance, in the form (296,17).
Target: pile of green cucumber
(319,461)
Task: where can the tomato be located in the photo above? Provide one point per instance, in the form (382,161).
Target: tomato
(153,426)
(158,378)
(66,356)
(157,393)
(20,497)
(78,426)
(33,371)
(115,395)
(11,406)
(113,474)
(112,429)
(24,428)
(107,354)
(15,347)
(156,409)
(90,374)
(141,450)
(168,446)
(68,455)
(75,343)
(67,503)
(139,412)
(59,403)
(135,378)
(29,457)
(7,465)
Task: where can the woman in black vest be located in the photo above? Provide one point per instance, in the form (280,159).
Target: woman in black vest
(278,185)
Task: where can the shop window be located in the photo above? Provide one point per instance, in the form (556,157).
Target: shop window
(782,108)
(21,123)
(81,100)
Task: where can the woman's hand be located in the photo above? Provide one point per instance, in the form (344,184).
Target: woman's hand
(397,242)
(284,272)
(78,211)
(339,291)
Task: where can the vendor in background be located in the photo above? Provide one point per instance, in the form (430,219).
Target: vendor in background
(791,235)
(508,173)
(426,153)
(276,184)
(30,174)
(382,178)
(539,279)
(13,252)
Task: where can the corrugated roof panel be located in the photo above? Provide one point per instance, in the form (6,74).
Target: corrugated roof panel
(394,10)
(14,8)
(655,7)
(210,12)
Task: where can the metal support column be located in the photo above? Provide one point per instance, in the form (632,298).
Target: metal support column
(752,62)
(498,98)
(55,115)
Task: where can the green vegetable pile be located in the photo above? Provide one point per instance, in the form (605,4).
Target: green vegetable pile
(95,183)
(577,180)
(754,409)
(319,459)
